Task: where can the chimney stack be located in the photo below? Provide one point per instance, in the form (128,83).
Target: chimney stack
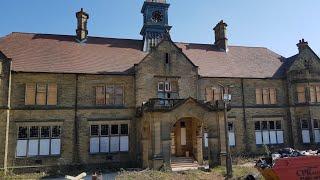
(302,45)
(221,40)
(82,31)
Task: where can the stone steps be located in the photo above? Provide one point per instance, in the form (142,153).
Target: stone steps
(183,164)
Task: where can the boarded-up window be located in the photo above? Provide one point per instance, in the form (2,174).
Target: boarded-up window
(314,94)
(318,93)
(30,93)
(259,96)
(301,94)
(101,141)
(217,94)
(273,96)
(313,97)
(38,141)
(305,131)
(265,96)
(52,94)
(231,132)
(110,95)
(268,132)
(118,96)
(209,94)
(100,95)
(41,94)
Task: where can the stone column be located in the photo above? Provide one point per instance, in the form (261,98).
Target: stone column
(214,151)
(214,138)
(223,150)
(157,154)
(199,143)
(166,141)
(157,138)
(145,153)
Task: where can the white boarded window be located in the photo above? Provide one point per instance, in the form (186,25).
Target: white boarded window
(105,138)
(231,132)
(305,131)
(316,129)
(268,132)
(38,141)
(205,137)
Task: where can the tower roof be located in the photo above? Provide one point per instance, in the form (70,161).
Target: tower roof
(157,1)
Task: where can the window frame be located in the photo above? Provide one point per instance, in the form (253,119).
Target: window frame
(301,95)
(110,124)
(35,94)
(315,96)
(39,138)
(266,96)
(269,130)
(110,97)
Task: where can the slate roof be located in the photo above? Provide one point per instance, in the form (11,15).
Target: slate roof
(62,54)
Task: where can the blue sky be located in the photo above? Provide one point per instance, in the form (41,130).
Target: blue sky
(275,24)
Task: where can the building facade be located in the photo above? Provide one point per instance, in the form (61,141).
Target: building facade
(81,100)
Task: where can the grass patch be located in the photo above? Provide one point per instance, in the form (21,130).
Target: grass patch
(159,175)
(218,173)
(12,176)
(238,171)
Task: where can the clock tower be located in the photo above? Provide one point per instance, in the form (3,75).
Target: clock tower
(155,22)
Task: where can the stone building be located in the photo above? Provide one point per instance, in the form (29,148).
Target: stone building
(81,100)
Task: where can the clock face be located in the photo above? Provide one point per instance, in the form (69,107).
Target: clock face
(157,16)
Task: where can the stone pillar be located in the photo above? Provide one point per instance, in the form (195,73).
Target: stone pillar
(145,153)
(166,151)
(157,138)
(166,141)
(199,143)
(214,151)
(223,150)
(157,156)
(214,139)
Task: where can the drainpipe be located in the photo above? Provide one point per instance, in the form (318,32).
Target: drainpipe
(76,125)
(244,117)
(6,151)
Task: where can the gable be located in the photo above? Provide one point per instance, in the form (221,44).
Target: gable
(167,59)
(2,56)
(306,59)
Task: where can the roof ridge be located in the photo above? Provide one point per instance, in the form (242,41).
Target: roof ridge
(132,39)
(229,45)
(68,35)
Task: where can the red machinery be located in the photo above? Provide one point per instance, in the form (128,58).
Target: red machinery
(293,168)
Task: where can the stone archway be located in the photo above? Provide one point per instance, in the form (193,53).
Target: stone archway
(186,139)
(157,142)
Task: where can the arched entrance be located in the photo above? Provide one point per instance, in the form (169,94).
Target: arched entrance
(186,139)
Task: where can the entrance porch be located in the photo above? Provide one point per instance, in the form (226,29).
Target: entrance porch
(174,134)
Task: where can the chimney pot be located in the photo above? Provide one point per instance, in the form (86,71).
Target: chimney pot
(82,31)
(302,45)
